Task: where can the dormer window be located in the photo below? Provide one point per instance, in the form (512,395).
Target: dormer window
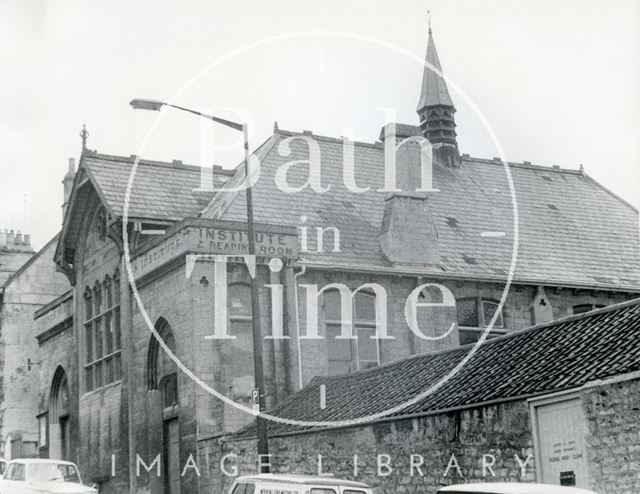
(474,316)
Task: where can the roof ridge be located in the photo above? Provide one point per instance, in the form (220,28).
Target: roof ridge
(175,164)
(319,137)
(517,164)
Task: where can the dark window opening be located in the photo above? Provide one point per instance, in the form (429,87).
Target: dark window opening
(582,308)
(474,316)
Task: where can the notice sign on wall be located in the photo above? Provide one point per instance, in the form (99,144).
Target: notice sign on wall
(560,431)
(202,236)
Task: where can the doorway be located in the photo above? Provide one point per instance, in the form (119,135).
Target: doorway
(59,418)
(171,455)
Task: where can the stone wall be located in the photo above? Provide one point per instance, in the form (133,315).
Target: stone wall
(31,288)
(407,456)
(483,444)
(612,413)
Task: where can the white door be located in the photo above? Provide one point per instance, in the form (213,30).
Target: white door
(560,442)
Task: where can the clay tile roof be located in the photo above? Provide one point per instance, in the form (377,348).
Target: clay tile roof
(561,355)
(572,231)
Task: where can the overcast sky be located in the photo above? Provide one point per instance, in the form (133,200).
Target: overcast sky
(557,81)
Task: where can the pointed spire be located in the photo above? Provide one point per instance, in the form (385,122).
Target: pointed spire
(435,108)
(434,86)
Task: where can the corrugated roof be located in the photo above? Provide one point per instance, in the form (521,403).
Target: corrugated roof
(561,355)
(572,231)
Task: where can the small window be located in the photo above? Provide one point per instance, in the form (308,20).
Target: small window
(19,472)
(11,469)
(474,315)
(351,491)
(244,488)
(582,308)
(323,490)
(43,423)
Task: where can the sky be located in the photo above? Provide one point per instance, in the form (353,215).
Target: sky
(558,83)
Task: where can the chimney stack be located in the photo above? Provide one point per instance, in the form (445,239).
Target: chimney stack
(408,234)
(67,183)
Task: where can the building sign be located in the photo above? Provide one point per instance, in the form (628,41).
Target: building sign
(202,236)
(560,443)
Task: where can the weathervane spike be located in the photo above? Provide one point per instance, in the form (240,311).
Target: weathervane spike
(429,20)
(83,135)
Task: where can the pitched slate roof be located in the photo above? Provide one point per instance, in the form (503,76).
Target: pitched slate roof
(572,231)
(561,355)
(160,190)
(434,87)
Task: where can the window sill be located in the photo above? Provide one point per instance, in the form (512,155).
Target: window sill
(106,387)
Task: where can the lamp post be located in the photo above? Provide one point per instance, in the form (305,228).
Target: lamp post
(261,424)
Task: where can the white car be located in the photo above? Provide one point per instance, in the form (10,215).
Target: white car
(37,476)
(296,484)
(511,488)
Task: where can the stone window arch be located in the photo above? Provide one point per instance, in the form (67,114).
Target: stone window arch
(59,416)
(161,370)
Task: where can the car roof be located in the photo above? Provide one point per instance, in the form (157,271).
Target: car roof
(42,461)
(301,479)
(514,488)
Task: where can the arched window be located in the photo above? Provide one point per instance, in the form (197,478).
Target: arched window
(346,355)
(102,333)
(161,370)
(474,315)
(59,397)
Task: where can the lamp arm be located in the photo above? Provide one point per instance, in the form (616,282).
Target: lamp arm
(222,121)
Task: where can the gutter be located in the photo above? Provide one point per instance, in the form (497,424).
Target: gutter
(411,272)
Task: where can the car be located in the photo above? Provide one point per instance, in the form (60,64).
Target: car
(296,484)
(39,476)
(3,466)
(511,488)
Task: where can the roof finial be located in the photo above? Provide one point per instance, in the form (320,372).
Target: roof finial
(429,20)
(83,135)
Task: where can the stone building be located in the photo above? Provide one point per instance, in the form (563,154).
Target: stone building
(130,359)
(28,281)
(33,285)
(15,250)
(556,403)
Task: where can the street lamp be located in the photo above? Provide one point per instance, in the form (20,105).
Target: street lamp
(261,423)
